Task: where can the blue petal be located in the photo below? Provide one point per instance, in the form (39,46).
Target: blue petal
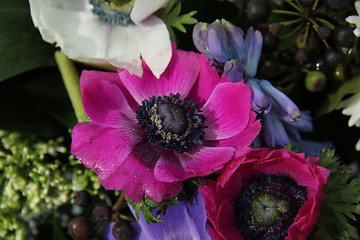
(311,148)
(273,130)
(253,43)
(282,105)
(234,70)
(217,42)
(236,40)
(199,36)
(260,102)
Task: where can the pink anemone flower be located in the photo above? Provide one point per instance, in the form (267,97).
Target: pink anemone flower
(265,195)
(147,135)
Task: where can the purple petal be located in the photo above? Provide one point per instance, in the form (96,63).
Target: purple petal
(217,42)
(185,221)
(259,100)
(236,40)
(234,70)
(281,103)
(253,43)
(274,131)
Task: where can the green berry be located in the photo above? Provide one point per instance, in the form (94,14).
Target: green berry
(315,81)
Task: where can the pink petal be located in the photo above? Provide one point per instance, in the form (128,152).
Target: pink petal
(226,220)
(201,161)
(227,110)
(135,177)
(207,81)
(242,140)
(90,144)
(104,101)
(179,77)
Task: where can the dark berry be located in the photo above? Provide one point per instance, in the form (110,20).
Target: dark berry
(315,81)
(333,56)
(307,3)
(270,42)
(275,28)
(286,57)
(80,228)
(102,213)
(318,64)
(258,10)
(324,33)
(343,36)
(122,231)
(335,4)
(354,70)
(82,198)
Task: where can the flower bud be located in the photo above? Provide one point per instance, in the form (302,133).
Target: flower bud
(253,43)
(281,103)
(234,70)
(199,36)
(217,42)
(235,40)
(260,102)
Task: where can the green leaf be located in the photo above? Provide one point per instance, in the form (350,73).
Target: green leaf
(21,46)
(172,18)
(335,96)
(340,202)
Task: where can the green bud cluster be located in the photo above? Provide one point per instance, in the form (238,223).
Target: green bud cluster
(36,177)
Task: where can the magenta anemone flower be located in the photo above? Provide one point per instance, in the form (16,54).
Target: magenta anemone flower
(147,135)
(265,195)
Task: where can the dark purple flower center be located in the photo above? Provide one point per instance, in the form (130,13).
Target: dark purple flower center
(171,123)
(267,206)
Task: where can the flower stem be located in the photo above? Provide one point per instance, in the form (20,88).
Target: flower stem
(325,23)
(71,81)
(293,5)
(287,23)
(286,12)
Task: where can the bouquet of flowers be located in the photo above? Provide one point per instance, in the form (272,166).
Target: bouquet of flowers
(178,119)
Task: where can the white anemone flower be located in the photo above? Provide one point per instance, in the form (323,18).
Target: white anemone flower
(119,32)
(351,107)
(355,19)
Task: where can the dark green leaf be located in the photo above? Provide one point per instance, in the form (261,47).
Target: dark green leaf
(21,46)
(334,97)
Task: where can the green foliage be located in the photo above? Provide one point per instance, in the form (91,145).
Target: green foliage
(21,45)
(335,96)
(36,177)
(340,202)
(147,206)
(172,18)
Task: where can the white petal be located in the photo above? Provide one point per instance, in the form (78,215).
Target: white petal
(357,146)
(357,32)
(155,44)
(353,19)
(150,39)
(357,7)
(145,8)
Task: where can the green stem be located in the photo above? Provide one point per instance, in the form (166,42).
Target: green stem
(299,27)
(293,5)
(325,23)
(71,81)
(287,23)
(287,12)
(315,5)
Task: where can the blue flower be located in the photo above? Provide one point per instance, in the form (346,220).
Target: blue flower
(185,221)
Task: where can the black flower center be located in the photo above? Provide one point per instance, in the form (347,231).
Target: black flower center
(171,123)
(114,12)
(267,206)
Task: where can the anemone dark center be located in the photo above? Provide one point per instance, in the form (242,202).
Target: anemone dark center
(114,12)
(267,206)
(171,123)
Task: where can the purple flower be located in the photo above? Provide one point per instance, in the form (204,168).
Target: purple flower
(147,135)
(253,43)
(185,221)
(233,70)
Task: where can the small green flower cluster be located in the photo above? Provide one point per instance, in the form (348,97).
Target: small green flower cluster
(36,177)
